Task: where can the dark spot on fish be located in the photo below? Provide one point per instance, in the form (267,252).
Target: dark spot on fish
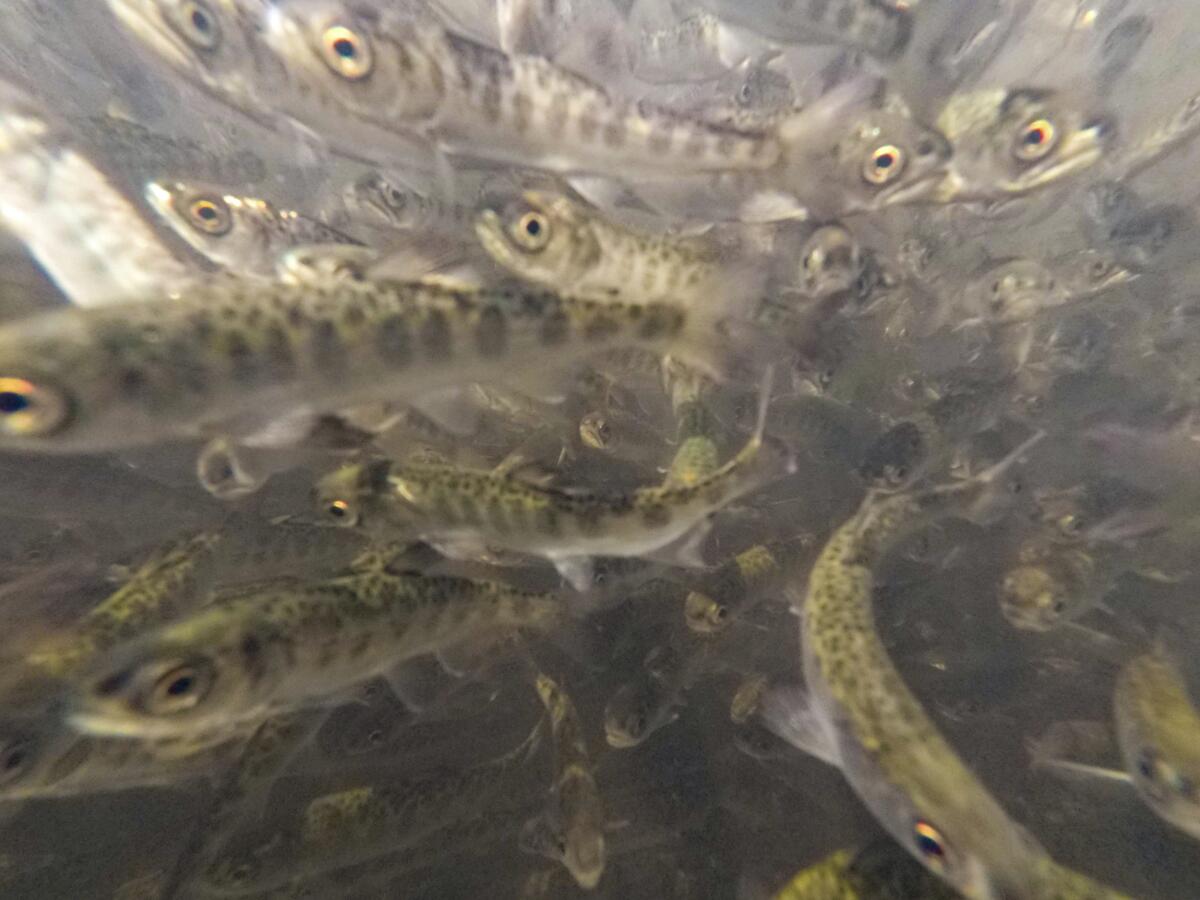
(490,101)
(556,113)
(133,381)
(353,315)
(435,335)
(522,112)
(278,348)
(655,515)
(818,8)
(491,333)
(328,354)
(845,17)
(555,328)
(600,327)
(587,124)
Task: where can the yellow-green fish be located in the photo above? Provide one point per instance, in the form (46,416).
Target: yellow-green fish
(860,716)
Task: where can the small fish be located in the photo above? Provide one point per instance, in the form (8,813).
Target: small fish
(649,701)
(264,648)
(1051,586)
(862,718)
(468,509)
(576,812)
(134,373)
(854,152)
(831,263)
(392,204)
(351,826)
(1158,730)
(92,241)
(881,871)
(1008,143)
(243,235)
(878,29)
(45,758)
(471,99)
(1020,289)
(553,241)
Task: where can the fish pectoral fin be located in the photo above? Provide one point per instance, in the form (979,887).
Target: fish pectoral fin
(1084,770)
(772,206)
(687,551)
(576,570)
(451,409)
(463,547)
(787,713)
(419,683)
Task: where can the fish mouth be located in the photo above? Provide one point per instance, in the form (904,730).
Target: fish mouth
(490,231)
(915,191)
(159,198)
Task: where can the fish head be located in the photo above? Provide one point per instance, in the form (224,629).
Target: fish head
(232,231)
(342,495)
(189,680)
(1034,598)
(1093,271)
(540,238)
(830,262)
(1014,290)
(346,56)
(31,757)
(884,158)
(1008,143)
(211,43)
(632,714)
(595,431)
(386,201)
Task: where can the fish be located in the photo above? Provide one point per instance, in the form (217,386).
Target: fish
(388,202)
(857,150)
(649,701)
(462,510)
(554,241)
(1017,290)
(575,815)
(877,29)
(469,99)
(862,718)
(880,871)
(1157,726)
(262,649)
(1051,586)
(44,757)
(347,827)
(218,46)
(130,374)
(243,235)
(93,242)
(1010,142)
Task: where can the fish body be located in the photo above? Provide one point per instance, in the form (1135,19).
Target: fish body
(451,505)
(1158,731)
(554,241)
(389,203)
(134,373)
(267,648)
(863,718)
(243,235)
(877,873)
(92,241)
(878,29)
(576,812)
(467,98)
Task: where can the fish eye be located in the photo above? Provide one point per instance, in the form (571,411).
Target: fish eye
(210,215)
(532,231)
(1035,140)
(179,689)
(30,410)
(339,509)
(346,52)
(197,24)
(931,846)
(884,164)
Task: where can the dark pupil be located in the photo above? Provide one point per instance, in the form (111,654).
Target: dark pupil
(336,511)
(928,846)
(1034,136)
(180,686)
(884,160)
(14,760)
(533,228)
(344,47)
(12,402)
(207,213)
(200,20)
(1146,767)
